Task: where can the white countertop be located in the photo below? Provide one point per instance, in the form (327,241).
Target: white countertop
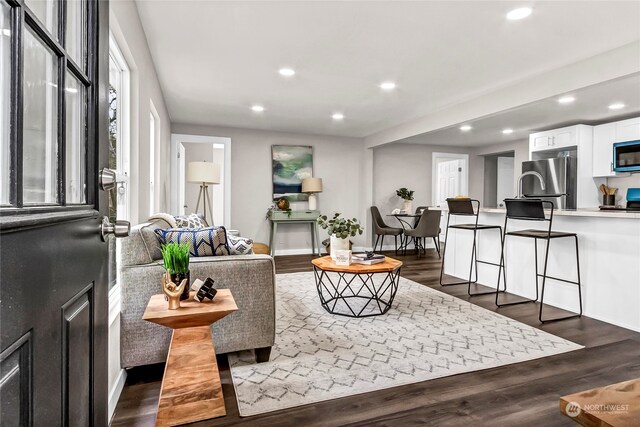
(584,212)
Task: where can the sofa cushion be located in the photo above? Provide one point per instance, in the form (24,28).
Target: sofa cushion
(191,221)
(210,241)
(239,245)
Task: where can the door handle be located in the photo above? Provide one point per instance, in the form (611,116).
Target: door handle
(120,228)
(107,179)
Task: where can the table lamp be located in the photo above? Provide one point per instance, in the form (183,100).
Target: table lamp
(311,186)
(204,173)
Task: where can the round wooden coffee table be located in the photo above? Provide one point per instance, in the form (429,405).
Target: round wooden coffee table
(356,290)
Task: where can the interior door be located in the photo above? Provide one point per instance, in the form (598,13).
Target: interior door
(53,273)
(448,180)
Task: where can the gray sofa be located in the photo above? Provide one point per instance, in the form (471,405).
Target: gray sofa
(251,279)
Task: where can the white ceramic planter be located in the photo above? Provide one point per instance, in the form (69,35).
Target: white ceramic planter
(338,244)
(407,206)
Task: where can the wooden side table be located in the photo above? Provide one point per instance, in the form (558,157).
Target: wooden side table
(191,389)
(295,217)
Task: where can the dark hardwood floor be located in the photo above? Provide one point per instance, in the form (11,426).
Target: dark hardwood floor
(523,394)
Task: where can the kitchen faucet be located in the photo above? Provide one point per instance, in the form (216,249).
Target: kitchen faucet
(519,184)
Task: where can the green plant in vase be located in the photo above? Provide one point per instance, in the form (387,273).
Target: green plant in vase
(407,196)
(340,229)
(176,262)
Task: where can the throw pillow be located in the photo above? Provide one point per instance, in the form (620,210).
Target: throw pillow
(191,221)
(239,245)
(208,241)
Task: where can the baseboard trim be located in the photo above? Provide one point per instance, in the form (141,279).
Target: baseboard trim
(116,391)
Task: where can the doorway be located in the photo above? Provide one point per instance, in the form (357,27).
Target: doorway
(450,177)
(499,177)
(184,194)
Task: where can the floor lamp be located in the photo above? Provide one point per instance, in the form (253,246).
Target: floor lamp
(204,173)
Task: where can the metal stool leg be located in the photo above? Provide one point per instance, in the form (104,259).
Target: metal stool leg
(444,251)
(578,283)
(502,268)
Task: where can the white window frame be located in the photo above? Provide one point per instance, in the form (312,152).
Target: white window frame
(123,155)
(154,138)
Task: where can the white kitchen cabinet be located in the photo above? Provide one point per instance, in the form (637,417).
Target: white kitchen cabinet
(628,130)
(554,139)
(604,136)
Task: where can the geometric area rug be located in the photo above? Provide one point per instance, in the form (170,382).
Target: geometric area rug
(426,334)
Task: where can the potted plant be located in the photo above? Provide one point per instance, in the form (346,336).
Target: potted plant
(176,261)
(340,229)
(406,195)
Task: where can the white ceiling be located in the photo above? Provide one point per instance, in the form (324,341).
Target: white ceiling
(216,59)
(590,107)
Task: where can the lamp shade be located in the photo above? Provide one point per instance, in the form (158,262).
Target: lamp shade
(203,172)
(312,185)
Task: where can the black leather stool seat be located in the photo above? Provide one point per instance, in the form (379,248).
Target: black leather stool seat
(540,234)
(474,226)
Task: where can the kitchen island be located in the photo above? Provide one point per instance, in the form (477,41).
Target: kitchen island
(609,244)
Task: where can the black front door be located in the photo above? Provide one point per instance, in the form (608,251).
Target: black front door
(53,272)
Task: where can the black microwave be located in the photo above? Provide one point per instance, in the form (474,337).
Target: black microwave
(626,156)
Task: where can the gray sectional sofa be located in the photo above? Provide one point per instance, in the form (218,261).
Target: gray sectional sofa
(251,279)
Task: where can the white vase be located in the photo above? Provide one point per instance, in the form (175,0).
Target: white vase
(407,206)
(338,244)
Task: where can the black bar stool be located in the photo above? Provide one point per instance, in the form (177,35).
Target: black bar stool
(465,207)
(534,210)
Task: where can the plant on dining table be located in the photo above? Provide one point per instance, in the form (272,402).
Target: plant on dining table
(404,193)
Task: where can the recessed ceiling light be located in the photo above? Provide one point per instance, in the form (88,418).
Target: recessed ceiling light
(287,72)
(519,13)
(257,108)
(337,116)
(465,128)
(507,131)
(387,85)
(617,106)
(566,100)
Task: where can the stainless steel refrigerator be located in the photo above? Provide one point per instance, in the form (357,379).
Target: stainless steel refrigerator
(560,176)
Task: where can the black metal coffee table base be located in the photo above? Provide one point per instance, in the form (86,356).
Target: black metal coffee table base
(356,294)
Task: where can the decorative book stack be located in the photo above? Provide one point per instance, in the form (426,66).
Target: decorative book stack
(367,258)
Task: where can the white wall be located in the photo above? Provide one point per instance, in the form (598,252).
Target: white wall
(336,160)
(145,88)
(476,161)
(404,165)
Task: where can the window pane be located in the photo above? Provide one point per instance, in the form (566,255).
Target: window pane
(5,100)
(47,12)
(76,40)
(40,122)
(75,94)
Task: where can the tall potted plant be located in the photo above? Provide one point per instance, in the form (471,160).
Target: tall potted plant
(176,261)
(340,229)
(406,195)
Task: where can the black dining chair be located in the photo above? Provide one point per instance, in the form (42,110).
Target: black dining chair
(428,227)
(380,229)
(534,210)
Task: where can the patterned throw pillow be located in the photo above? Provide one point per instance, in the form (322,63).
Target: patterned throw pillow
(191,221)
(209,241)
(239,245)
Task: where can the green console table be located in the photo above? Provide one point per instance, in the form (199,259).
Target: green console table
(296,217)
